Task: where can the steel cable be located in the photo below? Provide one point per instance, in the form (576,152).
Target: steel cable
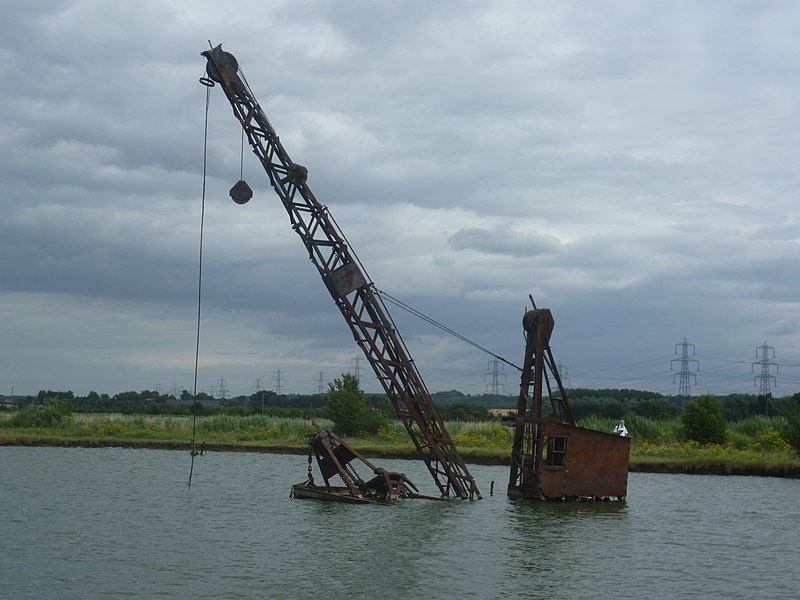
(199,283)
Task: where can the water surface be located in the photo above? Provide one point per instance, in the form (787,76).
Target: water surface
(108,523)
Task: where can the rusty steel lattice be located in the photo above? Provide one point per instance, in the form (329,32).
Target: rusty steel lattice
(551,458)
(348,284)
(336,459)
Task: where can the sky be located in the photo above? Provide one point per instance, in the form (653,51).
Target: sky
(631,165)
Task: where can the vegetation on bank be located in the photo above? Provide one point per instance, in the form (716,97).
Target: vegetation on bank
(732,434)
(752,445)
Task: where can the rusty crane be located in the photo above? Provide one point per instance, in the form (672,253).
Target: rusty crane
(352,291)
(552,458)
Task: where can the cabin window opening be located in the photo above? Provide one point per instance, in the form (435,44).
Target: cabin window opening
(555,451)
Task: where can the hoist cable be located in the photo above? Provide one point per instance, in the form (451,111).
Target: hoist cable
(444,328)
(199,284)
(241,158)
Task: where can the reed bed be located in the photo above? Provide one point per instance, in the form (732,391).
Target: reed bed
(228,429)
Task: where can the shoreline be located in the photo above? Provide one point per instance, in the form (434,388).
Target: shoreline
(665,466)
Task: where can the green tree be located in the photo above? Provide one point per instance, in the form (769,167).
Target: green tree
(44,395)
(703,421)
(347,408)
(791,431)
(128,397)
(655,409)
(262,399)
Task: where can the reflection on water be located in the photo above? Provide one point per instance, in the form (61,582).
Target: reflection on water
(103,523)
(524,511)
(559,544)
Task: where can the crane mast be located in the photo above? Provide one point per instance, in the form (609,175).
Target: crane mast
(552,458)
(346,280)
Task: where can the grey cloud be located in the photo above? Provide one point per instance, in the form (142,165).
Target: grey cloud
(631,165)
(785,327)
(504,240)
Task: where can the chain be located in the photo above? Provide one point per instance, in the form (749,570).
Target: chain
(310,473)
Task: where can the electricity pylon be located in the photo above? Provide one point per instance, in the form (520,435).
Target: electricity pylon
(562,372)
(278,380)
(764,378)
(223,389)
(321,383)
(355,362)
(686,374)
(495,388)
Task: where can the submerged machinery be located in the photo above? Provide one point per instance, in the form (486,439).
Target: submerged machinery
(337,459)
(346,280)
(551,458)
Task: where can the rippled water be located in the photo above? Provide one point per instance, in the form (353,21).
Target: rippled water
(107,523)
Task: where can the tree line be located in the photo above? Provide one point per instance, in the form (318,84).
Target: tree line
(704,419)
(453,405)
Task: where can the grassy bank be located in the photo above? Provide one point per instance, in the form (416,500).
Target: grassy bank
(754,447)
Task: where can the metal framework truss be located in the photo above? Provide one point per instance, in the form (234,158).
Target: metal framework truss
(348,284)
(551,458)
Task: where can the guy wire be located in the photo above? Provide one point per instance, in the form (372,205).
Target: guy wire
(444,328)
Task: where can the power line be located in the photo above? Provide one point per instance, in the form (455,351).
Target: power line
(658,359)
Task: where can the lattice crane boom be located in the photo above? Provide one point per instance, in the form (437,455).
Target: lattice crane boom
(346,280)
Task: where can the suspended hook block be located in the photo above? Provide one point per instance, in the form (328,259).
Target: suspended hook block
(241,192)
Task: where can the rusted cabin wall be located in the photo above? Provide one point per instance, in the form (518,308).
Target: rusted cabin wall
(596,464)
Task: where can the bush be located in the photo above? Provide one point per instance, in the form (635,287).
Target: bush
(738,440)
(771,441)
(50,413)
(791,430)
(753,427)
(658,409)
(655,430)
(703,421)
(348,409)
